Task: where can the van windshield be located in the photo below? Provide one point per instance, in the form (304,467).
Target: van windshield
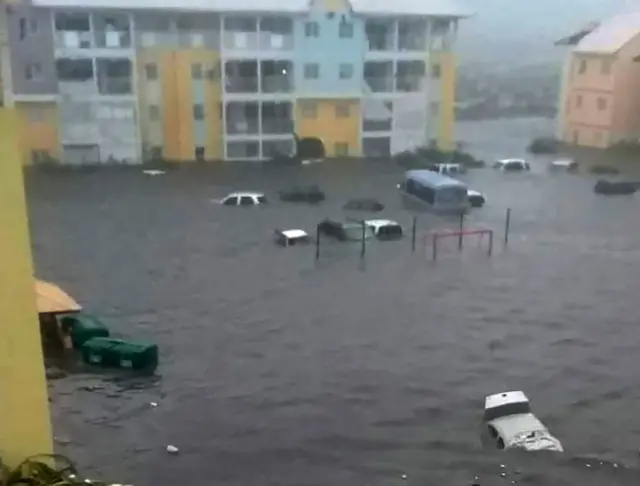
(506,410)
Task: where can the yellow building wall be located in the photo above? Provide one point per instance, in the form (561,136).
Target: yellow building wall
(446,112)
(177,100)
(334,5)
(39,129)
(328,127)
(25,424)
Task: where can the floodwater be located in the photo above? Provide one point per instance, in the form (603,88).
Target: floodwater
(277,370)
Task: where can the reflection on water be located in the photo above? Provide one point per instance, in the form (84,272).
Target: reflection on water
(278,370)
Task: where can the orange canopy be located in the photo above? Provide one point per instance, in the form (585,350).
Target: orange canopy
(51,298)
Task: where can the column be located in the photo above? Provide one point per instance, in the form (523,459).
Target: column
(25,424)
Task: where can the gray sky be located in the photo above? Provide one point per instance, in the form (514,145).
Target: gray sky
(524,30)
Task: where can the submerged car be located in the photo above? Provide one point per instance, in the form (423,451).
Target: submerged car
(447,168)
(385,229)
(310,194)
(564,165)
(511,425)
(345,231)
(290,237)
(476,199)
(511,165)
(244,199)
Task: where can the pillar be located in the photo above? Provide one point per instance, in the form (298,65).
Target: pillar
(25,423)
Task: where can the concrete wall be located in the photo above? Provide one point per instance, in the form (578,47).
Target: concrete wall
(30,37)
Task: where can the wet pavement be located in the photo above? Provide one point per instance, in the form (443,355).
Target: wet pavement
(276,369)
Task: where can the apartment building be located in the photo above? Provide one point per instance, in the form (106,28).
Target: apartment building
(600,102)
(115,81)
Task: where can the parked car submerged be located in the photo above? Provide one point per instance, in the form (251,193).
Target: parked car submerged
(244,199)
(476,199)
(447,168)
(385,229)
(511,165)
(344,231)
(291,237)
(511,424)
(567,165)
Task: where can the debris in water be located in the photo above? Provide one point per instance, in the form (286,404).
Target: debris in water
(404,476)
(503,475)
(615,465)
(588,465)
(502,466)
(153,404)
(153,172)
(171,449)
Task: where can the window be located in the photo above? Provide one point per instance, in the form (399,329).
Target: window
(198,111)
(311,71)
(346,71)
(578,101)
(346,30)
(309,110)
(154,112)
(151,72)
(341,149)
(196,71)
(23,28)
(601,103)
(246,201)
(311,29)
(199,153)
(231,201)
(436,71)
(342,110)
(582,67)
(606,66)
(33,71)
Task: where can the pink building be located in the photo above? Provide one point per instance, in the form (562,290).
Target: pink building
(600,99)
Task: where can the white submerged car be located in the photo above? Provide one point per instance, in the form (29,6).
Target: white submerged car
(511,424)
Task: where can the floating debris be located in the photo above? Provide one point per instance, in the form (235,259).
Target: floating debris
(171,449)
(153,404)
(153,172)
(404,476)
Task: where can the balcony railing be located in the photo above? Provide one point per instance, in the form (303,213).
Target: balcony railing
(409,84)
(71,39)
(242,127)
(236,84)
(376,125)
(115,86)
(275,42)
(276,126)
(75,88)
(384,44)
(380,85)
(277,84)
(240,40)
(113,40)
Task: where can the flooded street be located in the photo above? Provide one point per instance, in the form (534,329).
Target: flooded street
(277,370)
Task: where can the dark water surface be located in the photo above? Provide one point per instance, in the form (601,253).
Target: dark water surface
(278,371)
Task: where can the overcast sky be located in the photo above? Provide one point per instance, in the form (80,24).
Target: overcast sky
(526,29)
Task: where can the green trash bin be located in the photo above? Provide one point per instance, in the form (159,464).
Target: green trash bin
(117,353)
(82,327)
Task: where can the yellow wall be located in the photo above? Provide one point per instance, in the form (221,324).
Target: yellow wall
(446,112)
(174,71)
(39,129)
(328,127)
(25,424)
(334,5)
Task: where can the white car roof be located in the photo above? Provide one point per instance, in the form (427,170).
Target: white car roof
(505,398)
(512,161)
(471,192)
(294,233)
(245,193)
(562,162)
(380,222)
(525,430)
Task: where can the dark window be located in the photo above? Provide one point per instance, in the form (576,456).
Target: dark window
(23,28)
(151,71)
(436,71)
(422,192)
(311,29)
(74,69)
(196,71)
(346,30)
(262,199)
(199,154)
(246,201)
(390,231)
(231,201)
(506,410)
(198,112)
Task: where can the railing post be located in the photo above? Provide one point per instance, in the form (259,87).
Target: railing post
(363,248)
(434,252)
(507,226)
(490,251)
(317,242)
(460,230)
(413,233)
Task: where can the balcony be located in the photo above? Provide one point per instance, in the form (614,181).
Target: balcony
(198,31)
(76,77)
(443,34)
(112,31)
(276,34)
(381,35)
(277,118)
(412,36)
(378,76)
(114,76)
(240,33)
(410,76)
(241,76)
(276,76)
(72,31)
(242,118)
